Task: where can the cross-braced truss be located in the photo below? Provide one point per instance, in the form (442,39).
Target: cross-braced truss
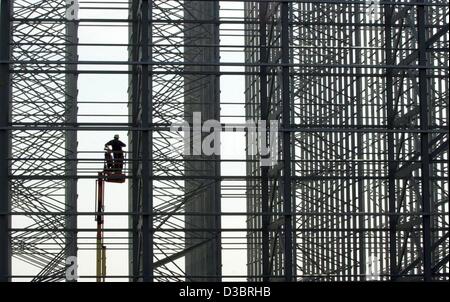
(41,96)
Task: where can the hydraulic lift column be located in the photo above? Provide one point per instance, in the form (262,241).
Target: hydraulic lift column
(101,248)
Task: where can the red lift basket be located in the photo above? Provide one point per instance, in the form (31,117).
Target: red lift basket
(115,177)
(112,171)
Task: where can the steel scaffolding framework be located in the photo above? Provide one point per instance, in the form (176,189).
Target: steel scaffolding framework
(360,93)
(40,95)
(365,94)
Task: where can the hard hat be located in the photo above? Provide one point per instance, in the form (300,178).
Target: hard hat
(116,136)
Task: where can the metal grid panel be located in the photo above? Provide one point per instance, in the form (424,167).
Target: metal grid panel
(41,94)
(360,98)
(365,196)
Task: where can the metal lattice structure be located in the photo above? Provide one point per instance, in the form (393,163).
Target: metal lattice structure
(359,91)
(163,94)
(43,99)
(368,96)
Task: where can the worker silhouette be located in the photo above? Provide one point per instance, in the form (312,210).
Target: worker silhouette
(109,161)
(116,145)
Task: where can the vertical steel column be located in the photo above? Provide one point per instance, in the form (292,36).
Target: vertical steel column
(133,155)
(390,61)
(217,163)
(147,136)
(424,141)
(360,151)
(5,101)
(286,124)
(71,142)
(292,86)
(264,59)
(134,138)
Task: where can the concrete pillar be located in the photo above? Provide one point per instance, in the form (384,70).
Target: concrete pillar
(202,93)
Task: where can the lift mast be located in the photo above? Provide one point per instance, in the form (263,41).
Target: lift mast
(112,172)
(101,248)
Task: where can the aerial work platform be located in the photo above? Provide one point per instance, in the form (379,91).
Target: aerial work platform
(112,173)
(113,177)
